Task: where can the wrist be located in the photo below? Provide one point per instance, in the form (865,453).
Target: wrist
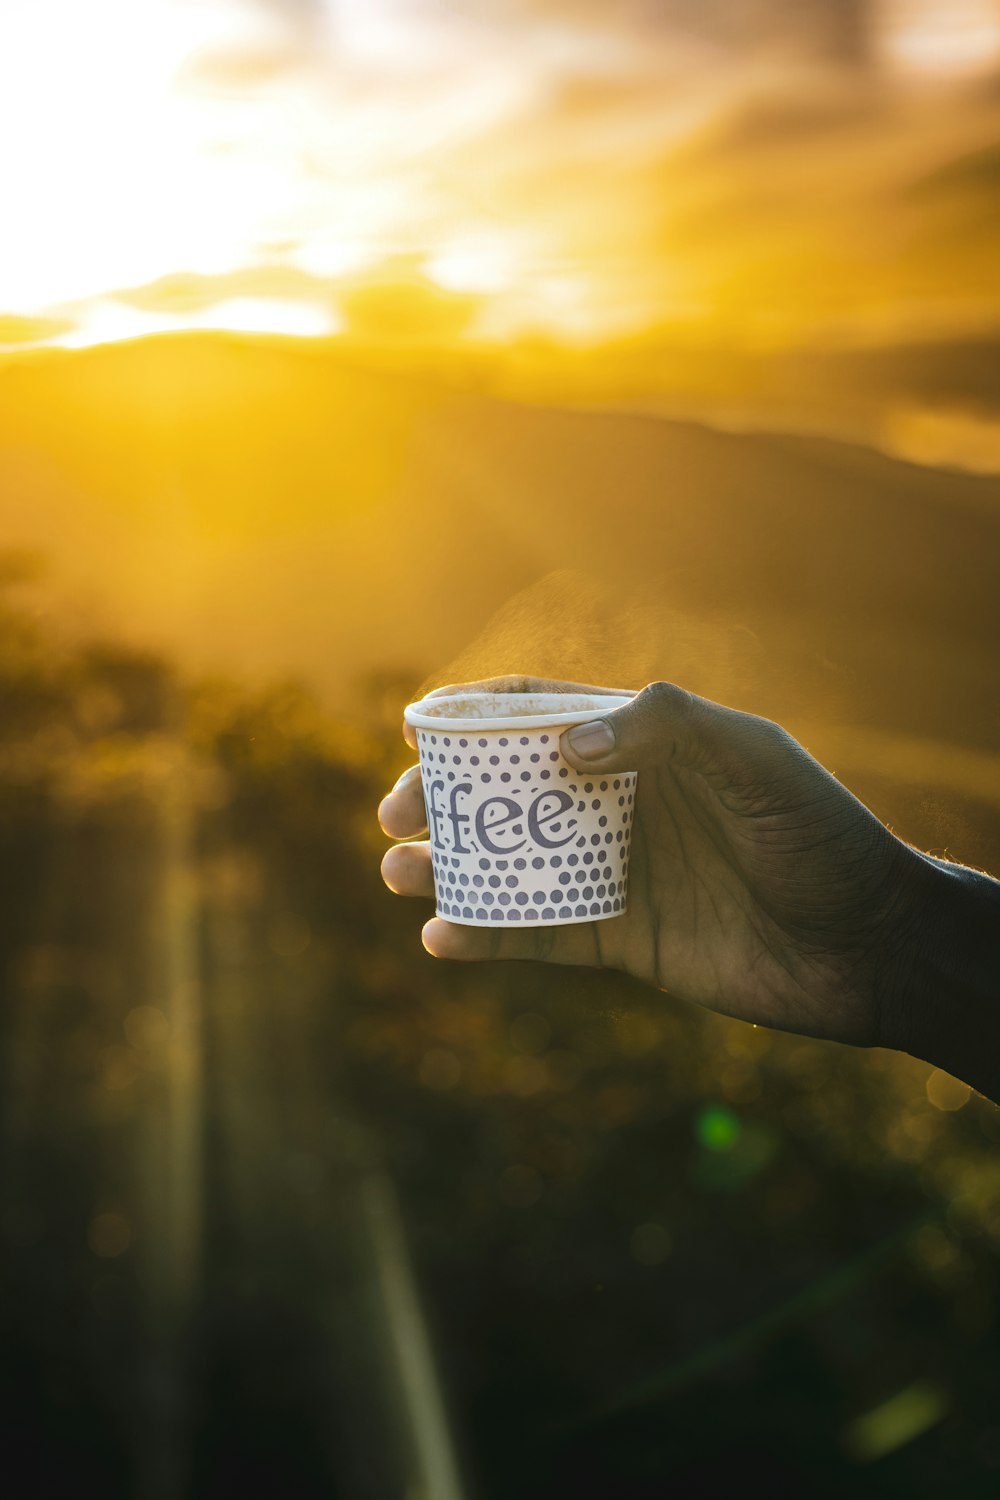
(944,1003)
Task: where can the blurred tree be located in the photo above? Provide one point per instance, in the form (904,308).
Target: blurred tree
(651,1245)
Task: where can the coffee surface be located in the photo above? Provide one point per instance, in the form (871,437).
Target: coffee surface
(516,705)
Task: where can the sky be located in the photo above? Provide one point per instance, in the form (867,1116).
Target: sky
(411,172)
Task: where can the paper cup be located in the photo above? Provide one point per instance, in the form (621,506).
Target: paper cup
(518,837)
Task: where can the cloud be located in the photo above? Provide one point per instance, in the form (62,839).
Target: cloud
(797,117)
(15,330)
(191,292)
(396,303)
(229,71)
(391,303)
(741,162)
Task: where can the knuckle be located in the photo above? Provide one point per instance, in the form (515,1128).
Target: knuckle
(665,699)
(769,736)
(773,752)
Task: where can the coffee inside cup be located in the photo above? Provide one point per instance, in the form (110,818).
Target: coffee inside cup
(539,708)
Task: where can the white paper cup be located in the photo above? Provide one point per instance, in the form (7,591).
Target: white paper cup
(518,837)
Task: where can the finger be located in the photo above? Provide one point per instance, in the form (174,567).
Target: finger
(665,724)
(573,944)
(406,869)
(401,812)
(512,684)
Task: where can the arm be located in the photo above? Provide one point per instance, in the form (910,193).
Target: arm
(945,1005)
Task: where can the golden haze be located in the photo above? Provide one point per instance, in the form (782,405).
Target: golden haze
(418,178)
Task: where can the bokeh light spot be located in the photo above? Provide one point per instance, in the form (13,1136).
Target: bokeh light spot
(945,1092)
(109,1235)
(440,1069)
(895,1422)
(717,1128)
(146,1029)
(650,1244)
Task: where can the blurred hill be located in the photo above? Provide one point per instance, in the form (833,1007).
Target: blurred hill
(267,506)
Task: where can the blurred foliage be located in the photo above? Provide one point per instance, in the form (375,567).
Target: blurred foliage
(654,1245)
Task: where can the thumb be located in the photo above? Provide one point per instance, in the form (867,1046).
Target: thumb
(666,724)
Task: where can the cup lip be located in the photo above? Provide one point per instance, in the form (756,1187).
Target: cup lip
(416,714)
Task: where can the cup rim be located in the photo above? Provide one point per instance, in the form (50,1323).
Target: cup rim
(597,703)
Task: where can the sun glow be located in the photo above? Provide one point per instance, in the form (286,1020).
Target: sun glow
(157,138)
(410,176)
(961,38)
(124,175)
(106,186)
(109,322)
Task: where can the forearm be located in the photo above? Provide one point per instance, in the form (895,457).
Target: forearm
(947,1008)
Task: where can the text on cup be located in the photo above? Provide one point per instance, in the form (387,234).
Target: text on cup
(499,825)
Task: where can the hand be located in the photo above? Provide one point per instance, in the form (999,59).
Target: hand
(759,886)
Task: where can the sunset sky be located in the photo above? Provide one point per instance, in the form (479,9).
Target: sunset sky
(416,172)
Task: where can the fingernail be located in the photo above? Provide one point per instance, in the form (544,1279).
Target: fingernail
(591,741)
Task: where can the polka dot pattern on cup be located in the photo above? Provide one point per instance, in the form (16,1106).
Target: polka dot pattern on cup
(518,836)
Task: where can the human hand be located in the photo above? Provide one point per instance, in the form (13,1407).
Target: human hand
(759,886)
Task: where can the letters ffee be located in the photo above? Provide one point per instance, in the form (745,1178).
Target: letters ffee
(499,813)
